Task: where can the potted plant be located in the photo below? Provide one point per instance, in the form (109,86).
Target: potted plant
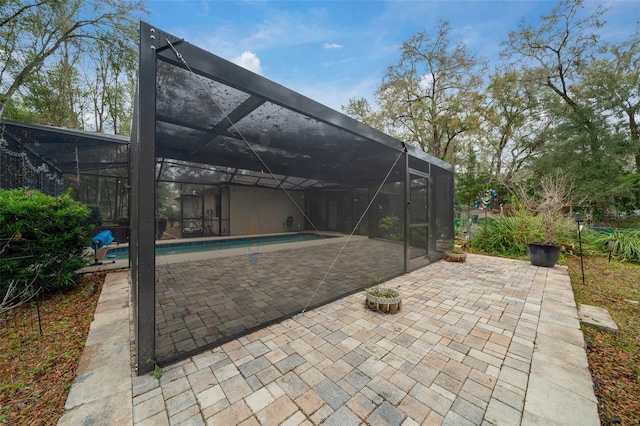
(382,300)
(546,204)
(545,253)
(455,254)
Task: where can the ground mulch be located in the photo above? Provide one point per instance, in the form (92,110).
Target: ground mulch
(37,370)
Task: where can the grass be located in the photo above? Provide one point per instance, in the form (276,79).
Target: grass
(614,359)
(36,371)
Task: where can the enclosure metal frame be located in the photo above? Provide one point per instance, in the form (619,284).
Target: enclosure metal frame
(156,44)
(142,209)
(54,146)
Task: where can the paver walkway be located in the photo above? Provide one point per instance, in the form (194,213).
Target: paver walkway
(486,342)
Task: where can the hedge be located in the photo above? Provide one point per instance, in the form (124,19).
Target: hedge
(43,238)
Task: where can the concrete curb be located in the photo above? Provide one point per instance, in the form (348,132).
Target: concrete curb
(560,388)
(101,392)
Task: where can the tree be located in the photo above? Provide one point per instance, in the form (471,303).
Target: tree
(360,110)
(595,165)
(514,125)
(472,176)
(558,54)
(612,81)
(111,84)
(32,32)
(428,98)
(553,53)
(65,62)
(53,94)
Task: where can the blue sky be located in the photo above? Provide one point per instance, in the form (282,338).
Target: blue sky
(331,51)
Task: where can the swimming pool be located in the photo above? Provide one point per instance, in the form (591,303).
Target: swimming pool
(197,246)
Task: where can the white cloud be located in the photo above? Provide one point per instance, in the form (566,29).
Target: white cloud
(248,60)
(332,46)
(282,29)
(205,8)
(426,81)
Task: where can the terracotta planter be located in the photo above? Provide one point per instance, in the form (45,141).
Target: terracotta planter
(455,257)
(541,254)
(390,305)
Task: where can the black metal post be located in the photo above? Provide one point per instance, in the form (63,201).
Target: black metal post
(579,222)
(407,214)
(485,227)
(611,245)
(142,207)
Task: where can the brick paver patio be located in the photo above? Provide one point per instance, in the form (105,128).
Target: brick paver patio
(201,302)
(487,342)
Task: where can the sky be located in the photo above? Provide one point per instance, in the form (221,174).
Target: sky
(331,51)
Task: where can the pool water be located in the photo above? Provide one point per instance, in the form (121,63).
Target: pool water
(196,246)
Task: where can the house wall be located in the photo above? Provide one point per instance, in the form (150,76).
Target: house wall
(263,211)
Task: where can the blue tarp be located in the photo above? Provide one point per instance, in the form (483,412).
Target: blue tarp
(102,239)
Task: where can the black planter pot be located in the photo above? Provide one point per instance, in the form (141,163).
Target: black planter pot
(541,254)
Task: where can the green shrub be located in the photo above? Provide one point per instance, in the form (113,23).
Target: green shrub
(506,236)
(390,225)
(509,236)
(55,236)
(626,244)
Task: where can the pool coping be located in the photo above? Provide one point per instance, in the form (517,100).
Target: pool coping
(112,264)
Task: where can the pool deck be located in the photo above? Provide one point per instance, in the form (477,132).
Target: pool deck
(487,342)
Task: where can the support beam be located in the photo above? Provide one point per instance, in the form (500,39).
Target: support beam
(142,220)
